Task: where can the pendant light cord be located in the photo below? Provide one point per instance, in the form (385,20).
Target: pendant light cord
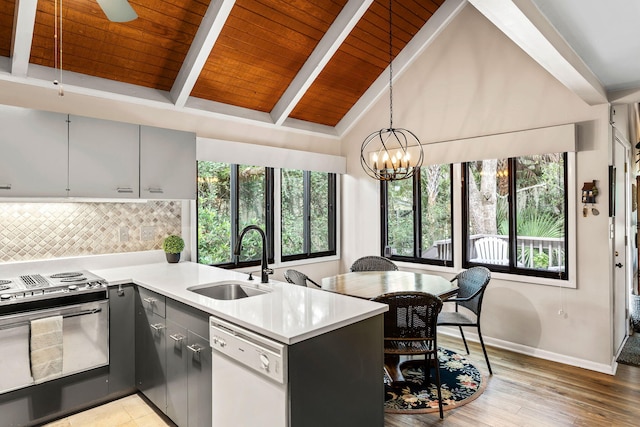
(390,66)
(57,44)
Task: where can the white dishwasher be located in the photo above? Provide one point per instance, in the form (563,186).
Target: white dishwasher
(249,378)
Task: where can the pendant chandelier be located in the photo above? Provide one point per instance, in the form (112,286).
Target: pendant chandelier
(391,154)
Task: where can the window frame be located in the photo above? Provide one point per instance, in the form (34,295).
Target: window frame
(417,223)
(234,188)
(512,268)
(331,218)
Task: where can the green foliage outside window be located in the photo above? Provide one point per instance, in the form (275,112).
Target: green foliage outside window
(215,211)
(293,213)
(539,199)
(434,214)
(292,199)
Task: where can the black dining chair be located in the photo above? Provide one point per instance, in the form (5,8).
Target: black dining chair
(298,278)
(373,263)
(471,286)
(410,329)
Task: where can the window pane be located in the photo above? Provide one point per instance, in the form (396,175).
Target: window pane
(540,215)
(488,211)
(319,212)
(435,187)
(400,217)
(251,209)
(292,196)
(214,213)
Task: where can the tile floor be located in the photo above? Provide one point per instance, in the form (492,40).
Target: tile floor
(130,411)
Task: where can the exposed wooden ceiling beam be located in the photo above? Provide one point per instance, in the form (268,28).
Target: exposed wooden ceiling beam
(328,45)
(24,20)
(205,38)
(526,26)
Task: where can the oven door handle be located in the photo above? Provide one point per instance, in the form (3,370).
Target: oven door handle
(64,316)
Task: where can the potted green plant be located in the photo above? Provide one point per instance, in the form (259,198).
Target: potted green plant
(172,246)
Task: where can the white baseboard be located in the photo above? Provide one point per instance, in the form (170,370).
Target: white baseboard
(535,352)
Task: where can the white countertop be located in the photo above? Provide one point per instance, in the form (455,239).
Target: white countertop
(288,314)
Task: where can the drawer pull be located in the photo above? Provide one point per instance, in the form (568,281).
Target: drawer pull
(150,300)
(5,186)
(177,337)
(125,190)
(155,190)
(196,348)
(157,326)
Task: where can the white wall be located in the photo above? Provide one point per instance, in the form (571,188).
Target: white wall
(473,81)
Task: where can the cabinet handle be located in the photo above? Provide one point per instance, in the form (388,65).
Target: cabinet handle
(155,190)
(177,337)
(157,326)
(125,190)
(5,186)
(196,348)
(150,300)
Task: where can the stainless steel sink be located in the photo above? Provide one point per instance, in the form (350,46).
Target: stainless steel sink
(228,290)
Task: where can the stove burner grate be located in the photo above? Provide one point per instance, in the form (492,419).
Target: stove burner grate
(65,275)
(4,287)
(34,281)
(4,282)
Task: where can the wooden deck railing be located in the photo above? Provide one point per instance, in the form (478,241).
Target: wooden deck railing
(548,251)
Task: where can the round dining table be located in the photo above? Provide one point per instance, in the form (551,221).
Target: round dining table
(370,284)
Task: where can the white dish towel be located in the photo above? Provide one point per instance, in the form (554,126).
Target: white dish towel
(46,348)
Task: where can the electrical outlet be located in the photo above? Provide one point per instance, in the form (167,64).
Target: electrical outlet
(124,234)
(147,233)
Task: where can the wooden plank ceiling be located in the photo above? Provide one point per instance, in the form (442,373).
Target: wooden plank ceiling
(260,50)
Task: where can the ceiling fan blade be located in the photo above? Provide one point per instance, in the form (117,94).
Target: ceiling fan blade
(118,10)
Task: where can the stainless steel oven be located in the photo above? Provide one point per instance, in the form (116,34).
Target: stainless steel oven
(82,309)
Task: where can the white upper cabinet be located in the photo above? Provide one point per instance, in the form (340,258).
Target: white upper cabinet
(103,158)
(167,164)
(33,153)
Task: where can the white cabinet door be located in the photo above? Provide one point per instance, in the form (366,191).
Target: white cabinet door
(103,158)
(33,153)
(167,164)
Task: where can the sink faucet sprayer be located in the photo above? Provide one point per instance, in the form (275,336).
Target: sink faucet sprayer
(265,268)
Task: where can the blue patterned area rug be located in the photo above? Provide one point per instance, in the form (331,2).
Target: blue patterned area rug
(461,381)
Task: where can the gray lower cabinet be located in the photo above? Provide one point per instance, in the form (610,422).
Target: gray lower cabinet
(177,384)
(199,379)
(122,340)
(151,361)
(173,359)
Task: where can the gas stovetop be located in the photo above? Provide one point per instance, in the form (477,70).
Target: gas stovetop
(40,286)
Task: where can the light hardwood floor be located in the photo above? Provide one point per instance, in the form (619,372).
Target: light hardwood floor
(523,391)
(526,391)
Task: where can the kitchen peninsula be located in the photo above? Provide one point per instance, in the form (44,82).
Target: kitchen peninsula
(288,314)
(159,345)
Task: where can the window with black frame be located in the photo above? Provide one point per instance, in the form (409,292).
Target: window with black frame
(231,197)
(308,217)
(417,224)
(515,211)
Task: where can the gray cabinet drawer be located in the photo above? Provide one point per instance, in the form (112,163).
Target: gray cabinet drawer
(152,302)
(189,317)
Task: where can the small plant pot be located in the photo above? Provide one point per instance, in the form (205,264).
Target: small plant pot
(172,258)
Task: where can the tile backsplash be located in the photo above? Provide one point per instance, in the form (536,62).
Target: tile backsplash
(31,231)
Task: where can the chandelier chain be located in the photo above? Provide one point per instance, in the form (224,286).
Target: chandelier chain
(391,154)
